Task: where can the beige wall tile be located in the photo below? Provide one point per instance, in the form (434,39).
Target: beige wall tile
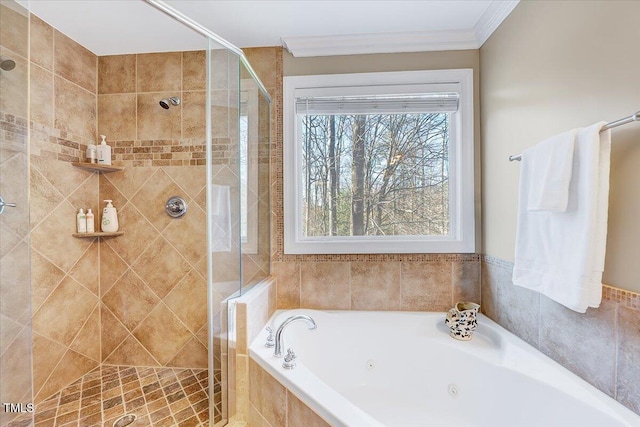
(131,352)
(14,29)
(466,281)
(325,285)
(192,180)
(14,87)
(162,334)
(41,39)
(53,238)
(263,60)
(44,278)
(159,72)
(117,117)
(112,334)
(256,419)
(375,286)
(72,366)
(161,267)
(75,109)
(194,114)
(112,267)
(41,96)
(16,362)
(267,395)
(426,286)
(117,74)
(74,63)
(86,270)
(154,122)
(192,355)
(194,70)
(46,356)
(15,273)
(152,197)
(299,414)
(64,313)
(129,180)
(10,330)
(137,234)
(187,299)
(130,300)
(64,177)
(87,342)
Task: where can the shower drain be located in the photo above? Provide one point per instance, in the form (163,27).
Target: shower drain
(125,420)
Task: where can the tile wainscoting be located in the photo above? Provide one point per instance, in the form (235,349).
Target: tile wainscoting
(601,346)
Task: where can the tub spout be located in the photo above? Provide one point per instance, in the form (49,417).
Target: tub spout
(279,339)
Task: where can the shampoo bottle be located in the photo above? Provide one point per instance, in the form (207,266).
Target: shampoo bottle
(92,153)
(90,222)
(109,222)
(81,221)
(104,152)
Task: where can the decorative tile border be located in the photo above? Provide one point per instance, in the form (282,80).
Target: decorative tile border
(622,297)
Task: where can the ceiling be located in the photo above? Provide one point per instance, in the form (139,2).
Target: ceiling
(305,27)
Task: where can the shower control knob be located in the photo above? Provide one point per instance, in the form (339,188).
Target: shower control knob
(175,207)
(3,204)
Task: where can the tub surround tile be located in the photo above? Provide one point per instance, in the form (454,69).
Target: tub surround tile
(628,387)
(325,285)
(382,293)
(426,286)
(299,414)
(601,345)
(267,395)
(466,281)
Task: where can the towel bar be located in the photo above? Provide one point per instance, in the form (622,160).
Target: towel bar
(632,118)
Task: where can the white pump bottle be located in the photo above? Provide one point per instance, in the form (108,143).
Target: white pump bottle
(109,223)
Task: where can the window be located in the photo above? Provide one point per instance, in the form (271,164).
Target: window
(379,163)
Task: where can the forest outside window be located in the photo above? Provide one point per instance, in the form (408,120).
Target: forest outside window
(379,163)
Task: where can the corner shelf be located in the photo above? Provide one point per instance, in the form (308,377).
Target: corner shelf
(93,167)
(98,234)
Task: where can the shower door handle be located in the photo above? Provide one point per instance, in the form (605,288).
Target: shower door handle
(3,204)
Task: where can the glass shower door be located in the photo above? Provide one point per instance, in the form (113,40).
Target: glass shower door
(15,291)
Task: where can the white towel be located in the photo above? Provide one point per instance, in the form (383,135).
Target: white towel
(550,164)
(220,219)
(561,254)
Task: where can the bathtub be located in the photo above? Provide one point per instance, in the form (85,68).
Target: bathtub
(370,369)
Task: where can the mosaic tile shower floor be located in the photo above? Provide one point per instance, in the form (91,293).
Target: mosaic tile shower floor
(158,396)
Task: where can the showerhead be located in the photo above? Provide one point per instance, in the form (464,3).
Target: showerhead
(7,64)
(168,102)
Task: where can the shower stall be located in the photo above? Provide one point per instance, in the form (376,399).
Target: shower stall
(127,328)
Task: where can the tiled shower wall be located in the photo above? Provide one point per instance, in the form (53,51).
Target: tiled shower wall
(153,278)
(602,346)
(136,299)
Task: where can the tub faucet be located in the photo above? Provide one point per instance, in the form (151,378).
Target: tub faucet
(279,339)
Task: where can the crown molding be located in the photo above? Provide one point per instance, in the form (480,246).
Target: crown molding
(417,41)
(492,18)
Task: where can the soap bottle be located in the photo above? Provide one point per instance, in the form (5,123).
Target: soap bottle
(109,218)
(81,221)
(104,152)
(90,222)
(92,153)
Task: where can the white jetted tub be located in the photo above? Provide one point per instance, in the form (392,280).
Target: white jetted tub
(371,369)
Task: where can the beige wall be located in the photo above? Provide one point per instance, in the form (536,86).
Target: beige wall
(553,66)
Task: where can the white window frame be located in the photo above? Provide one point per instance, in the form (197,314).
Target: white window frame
(461,164)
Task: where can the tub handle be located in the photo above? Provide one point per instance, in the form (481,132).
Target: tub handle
(289,359)
(271,342)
